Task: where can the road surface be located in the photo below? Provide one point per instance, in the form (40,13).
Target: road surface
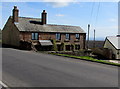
(30,69)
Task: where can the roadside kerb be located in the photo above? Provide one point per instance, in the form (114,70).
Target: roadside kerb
(95,60)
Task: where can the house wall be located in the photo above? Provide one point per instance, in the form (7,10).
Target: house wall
(10,34)
(115,51)
(46,36)
(72,40)
(118,56)
(26,36)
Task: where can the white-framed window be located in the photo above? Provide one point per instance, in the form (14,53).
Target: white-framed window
(58,36)
(35,36)
(77,36)
(67,36)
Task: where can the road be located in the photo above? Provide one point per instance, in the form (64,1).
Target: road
(30,69)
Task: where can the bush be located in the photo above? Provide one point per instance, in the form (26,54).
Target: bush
(25,45)
(54,48)
(103,53)
(62,46)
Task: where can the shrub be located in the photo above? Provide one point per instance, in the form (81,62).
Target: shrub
(54,48)
(62,46)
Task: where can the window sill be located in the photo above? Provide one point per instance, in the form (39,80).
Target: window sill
(77,40)
(34,40)
(66,40)
(57,40)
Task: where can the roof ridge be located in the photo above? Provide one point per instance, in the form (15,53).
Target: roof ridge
(47,24)
(62,25)
(28,17)
(111,36)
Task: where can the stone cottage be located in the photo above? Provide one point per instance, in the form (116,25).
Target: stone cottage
(28,32)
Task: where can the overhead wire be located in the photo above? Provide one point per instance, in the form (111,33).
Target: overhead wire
(90,23)
(96,19)
(91,12)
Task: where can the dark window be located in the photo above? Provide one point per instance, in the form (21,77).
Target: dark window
(67,47)
(77,47)
(77,36)
(35,36)
(67,36)
(58,36)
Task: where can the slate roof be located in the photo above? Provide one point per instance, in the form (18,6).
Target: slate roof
(34,25)
(115,41)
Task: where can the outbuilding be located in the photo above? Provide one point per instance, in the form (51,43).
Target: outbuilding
(113,43)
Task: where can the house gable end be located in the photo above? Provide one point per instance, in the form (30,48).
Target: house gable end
(10,33)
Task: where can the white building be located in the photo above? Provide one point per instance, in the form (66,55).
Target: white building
(113,43)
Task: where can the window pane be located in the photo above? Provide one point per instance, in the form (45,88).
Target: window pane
(58,36)
(77,36)
(36,36)
(32,36)
(67,36)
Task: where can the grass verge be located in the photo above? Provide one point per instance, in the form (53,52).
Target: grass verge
(87,58)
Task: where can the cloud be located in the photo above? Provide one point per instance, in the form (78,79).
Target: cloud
(113,20)
(59,3)
(60,15)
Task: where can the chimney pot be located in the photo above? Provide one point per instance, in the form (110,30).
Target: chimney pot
(43,10)
(15,7)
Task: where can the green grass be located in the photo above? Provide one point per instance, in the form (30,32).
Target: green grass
(87,58)
(0,41)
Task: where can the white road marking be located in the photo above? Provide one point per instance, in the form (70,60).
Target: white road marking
(4,85)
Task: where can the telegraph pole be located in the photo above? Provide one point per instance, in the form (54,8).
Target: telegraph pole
(94,39)
(88,36)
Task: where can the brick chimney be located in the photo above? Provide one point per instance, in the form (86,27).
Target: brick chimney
(15,14)
(44,17)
